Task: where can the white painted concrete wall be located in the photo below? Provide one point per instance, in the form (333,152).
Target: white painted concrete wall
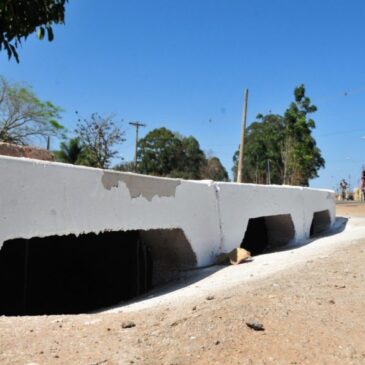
(240,202)
(39,199)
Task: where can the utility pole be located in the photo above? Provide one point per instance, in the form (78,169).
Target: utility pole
(136,125)
(243,132)
(257,168)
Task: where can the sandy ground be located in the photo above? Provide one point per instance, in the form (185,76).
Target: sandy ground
(353,209)
(309,299)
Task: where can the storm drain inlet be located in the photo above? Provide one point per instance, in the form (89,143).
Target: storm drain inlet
(320,223)
(268,233)
(77,274)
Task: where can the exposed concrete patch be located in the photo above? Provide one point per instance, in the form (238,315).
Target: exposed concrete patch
(139,185)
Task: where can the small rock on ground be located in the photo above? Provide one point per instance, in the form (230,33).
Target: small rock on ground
(255,325)
(128,324)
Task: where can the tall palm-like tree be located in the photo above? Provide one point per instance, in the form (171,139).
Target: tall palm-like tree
(70,151)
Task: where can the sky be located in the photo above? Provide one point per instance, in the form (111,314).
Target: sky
(184,64)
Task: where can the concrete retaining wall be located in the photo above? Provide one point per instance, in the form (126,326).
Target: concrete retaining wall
(240,202)
(40,199)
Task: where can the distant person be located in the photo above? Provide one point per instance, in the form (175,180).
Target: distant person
(343,187)
(362,185)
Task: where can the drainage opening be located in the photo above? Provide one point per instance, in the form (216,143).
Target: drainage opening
(70,275)
(171,253)
(268,233)
(320,223)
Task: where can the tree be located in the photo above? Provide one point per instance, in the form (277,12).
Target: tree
(285,143)
(158,152)
(127,166)
(20,18)
(70,152)
(263,146)
(164,153)
(214,170)
(99,136)
(24,117)
(301,157)
(192,159)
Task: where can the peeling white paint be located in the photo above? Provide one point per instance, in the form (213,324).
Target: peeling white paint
(39,199)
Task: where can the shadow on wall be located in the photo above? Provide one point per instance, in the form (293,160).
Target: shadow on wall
(320,223)
(171,253)
(69,274)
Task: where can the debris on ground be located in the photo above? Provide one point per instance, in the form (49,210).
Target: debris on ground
(128,324)
(235,257)
(255,325)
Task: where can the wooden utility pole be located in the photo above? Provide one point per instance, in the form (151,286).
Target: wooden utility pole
(242,144)
(136,125)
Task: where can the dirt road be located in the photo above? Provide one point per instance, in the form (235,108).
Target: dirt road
(353,209)
(313,313)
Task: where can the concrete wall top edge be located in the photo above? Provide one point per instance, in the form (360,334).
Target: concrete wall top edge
(273,186)
(155,178)
(77,167)
(95,169)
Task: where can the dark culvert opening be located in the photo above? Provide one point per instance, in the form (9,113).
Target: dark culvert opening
(268,233)
(320,223)
(171,253)
(77,274)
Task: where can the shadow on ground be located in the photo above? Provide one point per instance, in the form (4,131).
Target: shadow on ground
(191,277)
(338,227)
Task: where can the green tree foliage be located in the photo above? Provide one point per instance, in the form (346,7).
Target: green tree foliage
(214,170)
(99,136)
(158,152)
(263,142)
(191,161)
(301,157)
(20,18)
(24,117)
(70,152)
(127,166)
(164,153)
(285,143)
